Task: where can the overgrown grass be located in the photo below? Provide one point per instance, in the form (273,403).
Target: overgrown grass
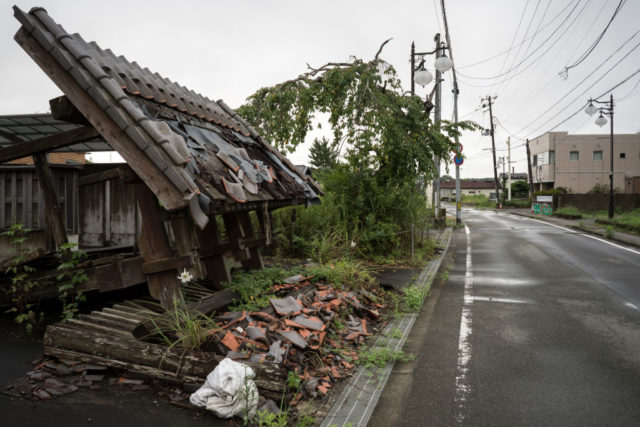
(378,357)
(255,287)
(569,210)
(477,200)
(185,329)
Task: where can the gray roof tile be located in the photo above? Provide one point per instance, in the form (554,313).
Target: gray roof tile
(123,90)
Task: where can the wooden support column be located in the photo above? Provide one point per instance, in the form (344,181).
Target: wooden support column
(254,262)
(53,216)
(213,254)
(264,216)
(236,236)
(154,246)
(186,243)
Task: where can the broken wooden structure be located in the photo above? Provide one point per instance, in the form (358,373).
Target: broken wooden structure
(205,182)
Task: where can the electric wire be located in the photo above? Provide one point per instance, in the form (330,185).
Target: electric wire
(583,105)
(515,35)
(535,89)
(532,53)
(587,77)
(504,52)
(585,55)
(505,84)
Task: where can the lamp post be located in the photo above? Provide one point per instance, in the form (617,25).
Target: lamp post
(422,76)
(607,110)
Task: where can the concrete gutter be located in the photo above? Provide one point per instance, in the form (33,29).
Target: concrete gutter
(357,401)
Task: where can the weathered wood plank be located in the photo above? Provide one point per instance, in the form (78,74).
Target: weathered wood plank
(173,265)
(123,172)
(153,245)
(218,269)
(54,221)
(268,389)
(115,347)
(118,275)
(254,262)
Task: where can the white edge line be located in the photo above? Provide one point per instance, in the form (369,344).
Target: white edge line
(585,235)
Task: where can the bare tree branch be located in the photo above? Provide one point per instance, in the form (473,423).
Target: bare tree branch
(382,47)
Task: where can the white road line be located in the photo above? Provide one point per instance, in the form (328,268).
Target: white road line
(504,300)
(463,388)
(586,235)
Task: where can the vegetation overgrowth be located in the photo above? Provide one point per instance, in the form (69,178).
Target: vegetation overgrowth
(373,169)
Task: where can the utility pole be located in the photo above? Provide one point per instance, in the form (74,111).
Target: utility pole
(530,174)
(436,120)
(509,167)
(455,118)
(493,145)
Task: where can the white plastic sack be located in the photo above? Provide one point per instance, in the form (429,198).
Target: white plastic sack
(229,390)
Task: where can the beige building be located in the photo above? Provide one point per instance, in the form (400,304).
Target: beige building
(581,162)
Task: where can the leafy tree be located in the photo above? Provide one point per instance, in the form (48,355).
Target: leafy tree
(321,155)
(385,136)
(519,189)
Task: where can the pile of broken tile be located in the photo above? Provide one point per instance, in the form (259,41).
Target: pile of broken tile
(51,378)
(296,331)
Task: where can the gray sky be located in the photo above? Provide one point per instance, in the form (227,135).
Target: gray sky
(227,49)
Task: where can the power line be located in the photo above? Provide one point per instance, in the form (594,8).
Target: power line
(588,76)
(497,55)
(507,82)
(532,53)
(535,89)
(583,105)
(585,55)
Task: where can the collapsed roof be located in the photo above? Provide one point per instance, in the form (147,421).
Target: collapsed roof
(190,151)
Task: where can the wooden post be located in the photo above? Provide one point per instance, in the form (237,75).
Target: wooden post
(236,235)
(53,216)
(186,243)
(254,262)
(218,269)
(154,246)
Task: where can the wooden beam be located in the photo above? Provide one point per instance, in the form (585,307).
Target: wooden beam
(48,143)
(53,216)
(116,275)
(122,172)
(174,265)
(161,186)
(63,109)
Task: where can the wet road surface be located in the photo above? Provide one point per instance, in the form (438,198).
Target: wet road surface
(537,325)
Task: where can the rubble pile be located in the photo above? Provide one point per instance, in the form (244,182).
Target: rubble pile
(310,329)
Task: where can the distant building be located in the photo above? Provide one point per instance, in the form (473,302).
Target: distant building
(486,187)
(581,162)
(515,176)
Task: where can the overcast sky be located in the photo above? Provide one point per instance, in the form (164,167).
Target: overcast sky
(227,49)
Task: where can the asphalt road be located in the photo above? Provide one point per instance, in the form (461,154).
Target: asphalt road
(536,325)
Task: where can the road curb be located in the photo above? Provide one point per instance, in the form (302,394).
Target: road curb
(357,401)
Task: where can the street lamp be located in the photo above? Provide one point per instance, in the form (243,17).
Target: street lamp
(607,110)
(423,77)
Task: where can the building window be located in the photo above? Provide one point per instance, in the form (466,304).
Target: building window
(597,155)
(535,160)
(552,157)
(472,192)
(623,155)
(574,155)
